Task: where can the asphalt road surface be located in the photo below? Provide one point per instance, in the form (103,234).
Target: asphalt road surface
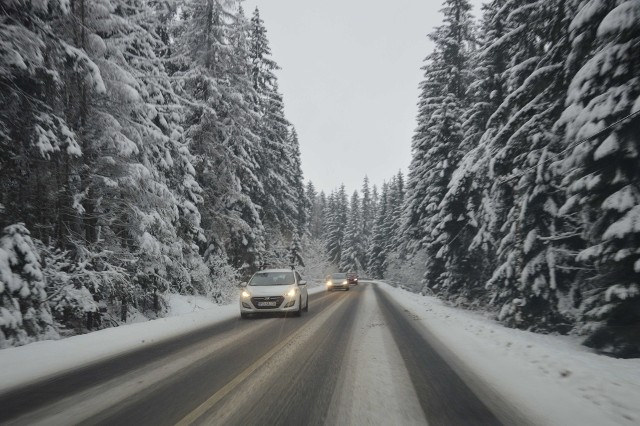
(355,358)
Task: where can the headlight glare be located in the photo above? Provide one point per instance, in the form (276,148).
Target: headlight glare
(245,294)
(292,292)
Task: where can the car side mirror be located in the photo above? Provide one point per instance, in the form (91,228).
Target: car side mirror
(303,282)
(243,284)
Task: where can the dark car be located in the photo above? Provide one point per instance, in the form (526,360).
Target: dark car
(352,278)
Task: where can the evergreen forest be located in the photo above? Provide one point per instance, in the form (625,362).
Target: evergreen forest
(523,194)
(144,149)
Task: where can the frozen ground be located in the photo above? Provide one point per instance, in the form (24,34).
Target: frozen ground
(551,379)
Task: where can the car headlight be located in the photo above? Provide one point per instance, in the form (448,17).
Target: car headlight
(345,282)
(245,294)
(329,283)
(292,292)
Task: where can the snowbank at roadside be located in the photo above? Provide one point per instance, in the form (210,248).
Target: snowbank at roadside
(551,379)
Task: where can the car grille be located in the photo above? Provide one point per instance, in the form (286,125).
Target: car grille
(277,299)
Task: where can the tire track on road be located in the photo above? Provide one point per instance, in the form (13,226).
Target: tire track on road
(444,396)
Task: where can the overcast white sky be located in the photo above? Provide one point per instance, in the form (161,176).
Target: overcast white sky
(349,77)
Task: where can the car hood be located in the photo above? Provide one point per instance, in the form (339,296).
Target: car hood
(269,290)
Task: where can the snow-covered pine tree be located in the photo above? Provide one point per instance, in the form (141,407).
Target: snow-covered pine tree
(262,65)
(293,172)
(395,199)
(375,201)
(25,315)
(212,57)
(527,286)
(417,209)
(279,156)
(437,141)
(296,252)
(136,191)
(318,218)
(36,137)
(377,253)
(601,125)
(312,197)
(470,183)
(367,217)
(336,224)
(352,258)
(443,243)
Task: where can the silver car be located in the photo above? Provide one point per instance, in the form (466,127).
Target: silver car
(274,290)
(336,281)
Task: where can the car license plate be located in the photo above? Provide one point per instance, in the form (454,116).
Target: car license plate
(267,304)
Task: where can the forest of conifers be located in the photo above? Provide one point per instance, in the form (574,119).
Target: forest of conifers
(523,193)
(144,149)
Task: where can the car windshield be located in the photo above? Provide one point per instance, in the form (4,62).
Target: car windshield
(338,276)
(272,278)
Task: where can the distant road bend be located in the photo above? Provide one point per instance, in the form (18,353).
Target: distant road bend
(355,358)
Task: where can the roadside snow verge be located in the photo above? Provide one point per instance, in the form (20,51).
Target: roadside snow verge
(552,380)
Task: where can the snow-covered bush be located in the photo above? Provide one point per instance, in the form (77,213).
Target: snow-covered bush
(317,264)
(223,280)
(81,286)
(24,312)
(406,273)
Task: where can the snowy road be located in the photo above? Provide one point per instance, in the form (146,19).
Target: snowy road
(355,358)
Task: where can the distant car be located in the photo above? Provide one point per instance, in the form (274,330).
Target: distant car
(336,281)
(352,277)
(274,290)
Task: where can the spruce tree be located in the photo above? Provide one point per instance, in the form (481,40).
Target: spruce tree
(377,253)
(367,217)
(37,137)
(278,157)
(527,285)
(353,253)
(601,128)
(437,142)
(212,56)
(336,224)
(318,216)
(293,170)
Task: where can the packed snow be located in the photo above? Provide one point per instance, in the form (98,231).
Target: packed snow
(552,380)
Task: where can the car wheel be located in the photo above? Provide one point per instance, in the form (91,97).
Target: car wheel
(243,315)
(298,313)
(347,288)
(306,307)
